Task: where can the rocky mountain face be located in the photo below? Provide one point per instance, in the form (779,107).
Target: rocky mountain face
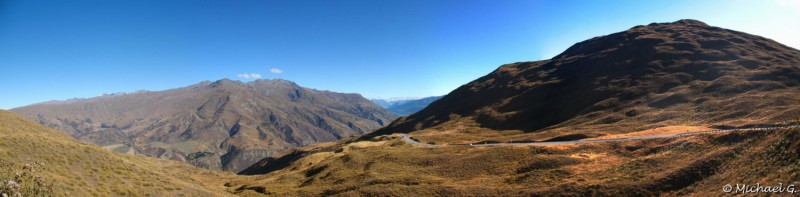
(404,107)
(684,72)
(218,125)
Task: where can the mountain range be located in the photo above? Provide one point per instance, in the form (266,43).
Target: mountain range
(385,103)
(405,106)
(223,124)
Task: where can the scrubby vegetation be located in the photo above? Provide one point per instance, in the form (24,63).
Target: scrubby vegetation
(25,180)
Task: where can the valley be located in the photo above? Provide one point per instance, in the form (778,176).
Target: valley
(407,106)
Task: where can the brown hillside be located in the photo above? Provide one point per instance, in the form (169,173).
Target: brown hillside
(680,73)
(221,125)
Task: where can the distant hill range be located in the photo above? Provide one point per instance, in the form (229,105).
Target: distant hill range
(218,125)
(405,106)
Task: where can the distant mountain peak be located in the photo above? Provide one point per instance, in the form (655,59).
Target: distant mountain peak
(682,22)
(224,82)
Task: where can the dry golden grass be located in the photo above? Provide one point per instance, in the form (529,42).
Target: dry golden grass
(672,166)
(657,131)
(462,130)
(386,165)
(80,169)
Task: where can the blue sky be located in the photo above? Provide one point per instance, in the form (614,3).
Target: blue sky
(55,50)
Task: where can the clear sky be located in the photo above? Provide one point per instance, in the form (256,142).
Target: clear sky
(378,48)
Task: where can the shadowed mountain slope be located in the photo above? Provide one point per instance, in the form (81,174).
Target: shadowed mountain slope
(683,72)
(218,125)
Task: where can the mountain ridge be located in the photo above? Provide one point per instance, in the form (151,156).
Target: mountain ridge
(236,122)
(660,64)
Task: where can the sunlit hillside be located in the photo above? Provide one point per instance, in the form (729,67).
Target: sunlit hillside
(699,165)
(74,168)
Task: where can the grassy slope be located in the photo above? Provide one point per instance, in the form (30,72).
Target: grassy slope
(80,169)
(678,166)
